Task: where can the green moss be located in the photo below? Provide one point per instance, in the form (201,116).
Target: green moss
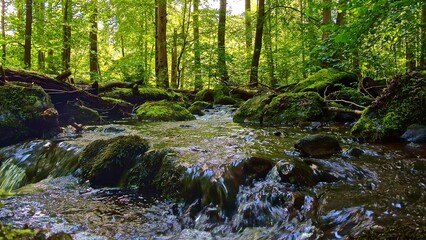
(401,105)
(21,108)
(224,100)
(205,95)
(197,107)
(252,110)
(324,78)
(350,94)
(6,233)
(81,114)
(143,94)
(115,100)
(163,111)
(105,162)
(293,108)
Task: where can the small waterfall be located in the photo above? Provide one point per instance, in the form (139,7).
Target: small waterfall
(36,160)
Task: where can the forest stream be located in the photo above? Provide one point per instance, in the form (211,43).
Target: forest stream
(375,188)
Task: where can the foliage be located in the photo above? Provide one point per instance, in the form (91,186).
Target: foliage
(163,111)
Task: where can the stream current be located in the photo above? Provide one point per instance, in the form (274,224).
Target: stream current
(380,189)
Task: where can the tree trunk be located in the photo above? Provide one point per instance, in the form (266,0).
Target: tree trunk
(40,25)
(326,20)
(423,38)
(247,18)
(174,61)
(197,52)
(269,54)
(93,51)
(41,60)
(66,49)
(50,62)
(302,31)
(257,44)
(221,56)
(28,32)
(3,31)
(163,75)
(410,61)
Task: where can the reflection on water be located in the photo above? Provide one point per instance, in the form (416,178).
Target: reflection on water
(367,190)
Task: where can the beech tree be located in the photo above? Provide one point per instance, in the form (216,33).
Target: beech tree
(28,33)
(162,66)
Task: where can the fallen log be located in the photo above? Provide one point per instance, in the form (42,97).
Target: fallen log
(344,110)
(63,93)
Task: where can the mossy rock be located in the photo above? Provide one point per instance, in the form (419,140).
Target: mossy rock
(163,111)
(26,111)
(295,172)
(400,105)
(140,95)
(205,95)
(7,232)
(105,162)
(158,170)
(79,114)
(252,110)
(224,100)
(293,108)
(197,107)
(318,145)
(329,79)
(352,95)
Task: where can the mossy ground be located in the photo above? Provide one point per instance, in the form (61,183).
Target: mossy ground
(401,105)
(104,162)
(163,111)
(325,78)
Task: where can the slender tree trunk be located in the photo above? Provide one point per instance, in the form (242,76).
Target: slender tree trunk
(66,49)
(247,18)
(257,44)
(40,25)
(41,60)
(28,33)
(93,38)
(326,19)
(50,61)
(3,31)
(302,30)
(163,75)
(221,63)
(340,22)
(122,46)
(423,38)
(410,60)
(269,54)
(157,73)
(197,52)
(174,61)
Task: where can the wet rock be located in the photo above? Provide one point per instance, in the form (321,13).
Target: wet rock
(392,112)
(26,111)
(354,152)
(80,114)
(105,162)
(163,111)
(205,95)
(318,145)
(256,168)
(415,133)
(197,107)
(293,108)
(158,170)
(224,100)
(194,234)
(329,79)
(294,172)
(252,110)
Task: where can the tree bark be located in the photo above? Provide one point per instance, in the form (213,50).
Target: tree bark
(174,61)
(163,74)
(273,82)
(257,44)
(423,38)
(28,33)
(3,31)
(93,38)
(326,18)
(410,60)
(66,45)
(247,18)
(221,56)
(197,52)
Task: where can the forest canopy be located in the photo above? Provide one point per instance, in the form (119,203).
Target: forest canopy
(191,44)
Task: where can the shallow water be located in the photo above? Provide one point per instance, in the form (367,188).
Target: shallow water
(382,188)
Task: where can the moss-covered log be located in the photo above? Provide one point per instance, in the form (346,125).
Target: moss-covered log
(63,93)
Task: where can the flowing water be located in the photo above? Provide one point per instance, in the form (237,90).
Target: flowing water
(368,189)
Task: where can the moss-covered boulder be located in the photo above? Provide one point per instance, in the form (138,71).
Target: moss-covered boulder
(293,108)
(163,111)
(252,110)
(318,145)
(219,95)
(105,162)
(140,95)
(158,170)
(205,95)
(400,105)
(224,100)
(26,112)
(80,114)
(197,107)
(326,78)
